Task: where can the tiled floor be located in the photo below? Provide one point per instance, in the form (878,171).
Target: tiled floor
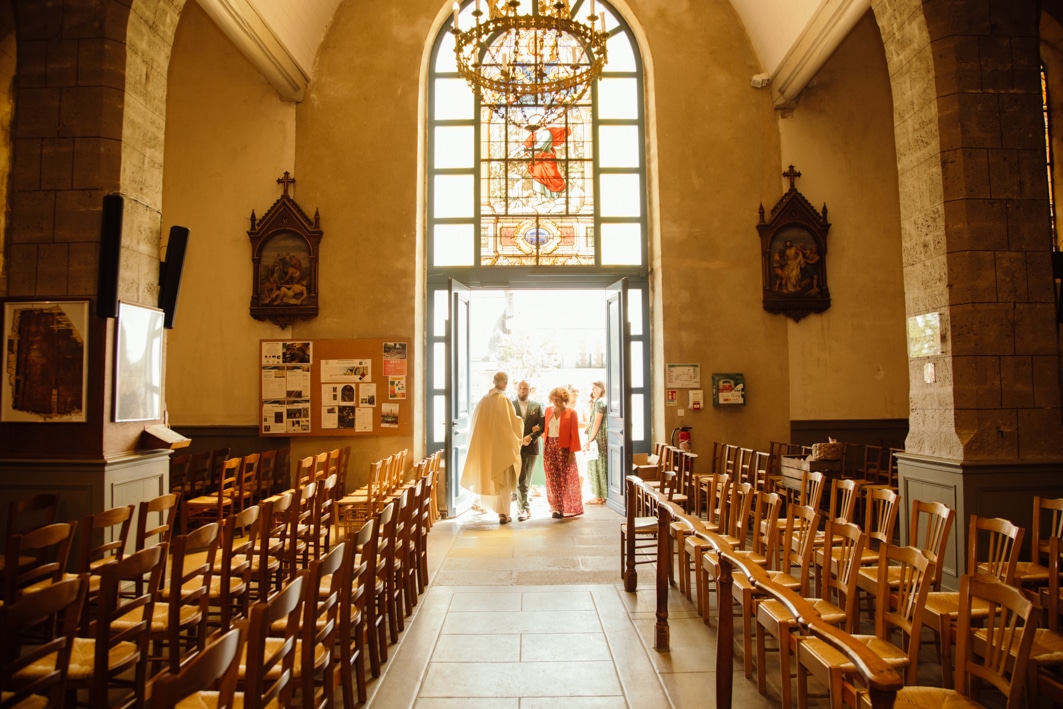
(533,614)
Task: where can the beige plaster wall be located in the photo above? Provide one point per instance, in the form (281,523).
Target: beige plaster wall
(850,362)
(717,153)
(228,138)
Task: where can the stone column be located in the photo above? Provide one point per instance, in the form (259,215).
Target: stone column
(985,431)
(90,95)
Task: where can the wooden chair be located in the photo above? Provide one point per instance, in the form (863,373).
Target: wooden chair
(155,520)
(691,546)
(437,459)
(230,583)
(706,561)
(1047,522)
(761,470)
(744,472)
(1001,548)
(638,531)
(247,482)
(836,603)
(427,506)
(267,471)
(179,622)
(102,662)
(180,473)
(302,532)
(800,519)
(321,463)
(198,481)
(50,546)
(376,590)
(30,676)
(999,658)
(103,539)
(304,472)
(898,614)
(355,508)
(1044,677)
(213,506)
(350,635)
(271,565)
(282,476)
(207,680)
(268,663)
(27,515)
(324,514)
(315,647)
(414,535)
(390,554)
(341,471)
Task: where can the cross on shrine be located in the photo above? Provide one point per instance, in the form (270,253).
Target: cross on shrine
(287,179)
(791,173)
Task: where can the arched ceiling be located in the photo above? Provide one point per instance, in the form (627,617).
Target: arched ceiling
(792,38)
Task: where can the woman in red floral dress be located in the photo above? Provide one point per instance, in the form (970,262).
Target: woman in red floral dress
(563,490)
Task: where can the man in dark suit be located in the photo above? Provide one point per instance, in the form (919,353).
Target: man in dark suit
(534,420)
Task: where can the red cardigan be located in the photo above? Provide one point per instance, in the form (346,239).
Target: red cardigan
(568,432)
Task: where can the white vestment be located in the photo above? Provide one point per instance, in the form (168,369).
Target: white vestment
(493,458)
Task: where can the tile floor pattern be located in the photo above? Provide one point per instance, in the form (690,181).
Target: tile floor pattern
(533,614)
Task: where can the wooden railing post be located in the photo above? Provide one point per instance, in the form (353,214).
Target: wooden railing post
(631,579)
(725,646)
(664,573)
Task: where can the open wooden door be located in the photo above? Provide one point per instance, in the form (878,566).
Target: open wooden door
(618,391)
(458,404)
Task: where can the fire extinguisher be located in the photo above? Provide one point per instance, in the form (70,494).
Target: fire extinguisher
(684,437)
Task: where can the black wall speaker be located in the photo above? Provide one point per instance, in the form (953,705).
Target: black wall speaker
(170,273)
(110,256)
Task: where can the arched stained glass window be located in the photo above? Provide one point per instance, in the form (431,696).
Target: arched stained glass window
(511,189)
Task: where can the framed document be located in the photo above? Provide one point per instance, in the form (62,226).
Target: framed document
(46,358)
(138,364)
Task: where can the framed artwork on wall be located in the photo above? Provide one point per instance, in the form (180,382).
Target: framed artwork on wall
(138,363)
(46,357)
(284,256)
(793,247)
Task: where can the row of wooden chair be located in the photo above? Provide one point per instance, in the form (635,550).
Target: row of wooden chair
(195,474)
(905,582)
(222,575)
(991,620)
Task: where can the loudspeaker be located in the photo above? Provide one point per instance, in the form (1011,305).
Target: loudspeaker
(110,256)
(170,273)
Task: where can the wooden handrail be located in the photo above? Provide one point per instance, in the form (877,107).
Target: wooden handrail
(882,680)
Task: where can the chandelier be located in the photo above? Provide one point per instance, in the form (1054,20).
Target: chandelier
(530,69)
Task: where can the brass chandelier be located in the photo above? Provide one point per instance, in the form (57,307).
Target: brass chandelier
(530,69)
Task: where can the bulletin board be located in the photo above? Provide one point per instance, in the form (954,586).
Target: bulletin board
(335,387)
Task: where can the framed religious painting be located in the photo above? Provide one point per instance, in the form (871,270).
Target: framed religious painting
(793,246)
(284,256)
(46,355)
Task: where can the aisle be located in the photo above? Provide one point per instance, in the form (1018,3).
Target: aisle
(529,614)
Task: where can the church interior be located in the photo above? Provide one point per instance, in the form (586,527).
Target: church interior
(921,130)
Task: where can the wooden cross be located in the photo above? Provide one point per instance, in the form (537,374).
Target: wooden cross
(791,173)
(287,179)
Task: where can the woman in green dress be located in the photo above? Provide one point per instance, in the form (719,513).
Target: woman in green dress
(597,436)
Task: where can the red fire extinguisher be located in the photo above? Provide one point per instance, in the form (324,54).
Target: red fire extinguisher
(684,437)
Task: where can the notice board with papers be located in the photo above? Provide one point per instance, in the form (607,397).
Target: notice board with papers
(334,387)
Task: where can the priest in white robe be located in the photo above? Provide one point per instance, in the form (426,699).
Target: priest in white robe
(493,459)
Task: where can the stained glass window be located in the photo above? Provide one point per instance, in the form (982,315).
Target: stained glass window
(538,192)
